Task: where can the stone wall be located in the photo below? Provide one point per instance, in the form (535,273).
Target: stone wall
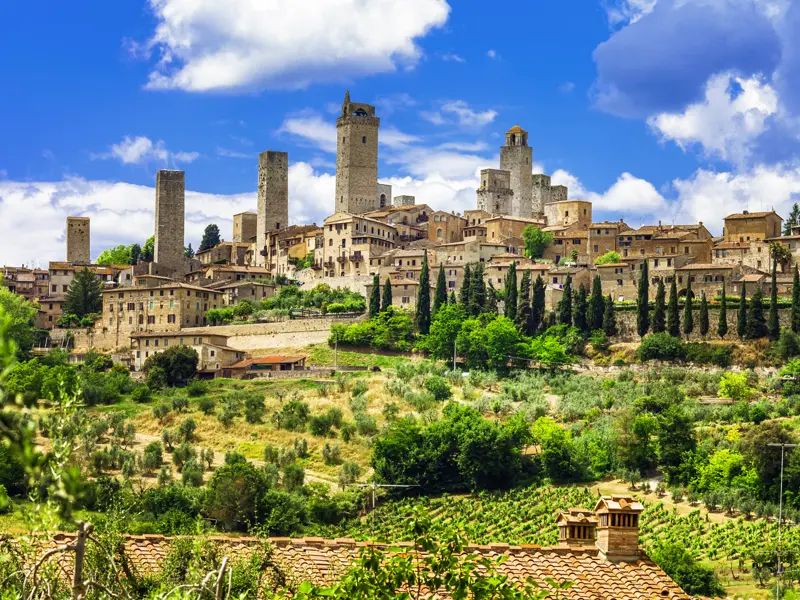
(245,226)
(273,197)
(78,241)
(517,160)
(170,191)
(626,322)
(540,194)
(356,158)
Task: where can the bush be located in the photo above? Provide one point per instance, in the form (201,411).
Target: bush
(156,379)
(293,477)
(349,474)
(160,411)
(196,388)
(331,455)
(688,572)
(320,425)
(179,363)
(141,394)
(660,346)
(186,429)
(254,408)
(708,354)
(366,425)
(12,473)
(192,473)
(179,403)
(735,386)
(439,387)
(206,404)
(234,494)
(293,416)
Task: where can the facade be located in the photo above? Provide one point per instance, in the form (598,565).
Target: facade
(356,158)
(446,227)
(213,351)
(264,366)
(228,273)
(540,194)
(494,194)
(516,157)
(352,241)
(245,227)
(567,212)
(383,195)
(225,253)
(604,238)
(170,191)
(503,227)
(79,241)
(746,226)
(403,201)
(273,197)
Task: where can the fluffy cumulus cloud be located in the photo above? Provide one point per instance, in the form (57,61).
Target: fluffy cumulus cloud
(628,196)
(460,113)
(732,115)
(142,150)
(628,11)
(207,45)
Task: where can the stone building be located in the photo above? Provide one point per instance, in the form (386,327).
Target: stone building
(383,196)
(273,197)
(351,241)
(225,253)
(494,194)
(245,227)
(693,240)
(475,227)
(404,201)
(746,226)
(620,280)
(540,194)
(568,212)
(209,274)
(285,247)
(446,227)
(516,157)
(500,228)
(357,158)
(213,351)
(170,206)
(604,237)
(78,241)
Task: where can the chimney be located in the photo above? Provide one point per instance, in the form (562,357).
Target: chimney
(745,212)
(618,528)
(577,527)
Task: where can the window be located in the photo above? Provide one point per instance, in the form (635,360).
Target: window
(151,320)
(213,353)
(155,342)
(147,342)
(170,318)
(619,281)
(363,139)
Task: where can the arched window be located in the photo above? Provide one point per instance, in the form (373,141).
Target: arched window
(439,233)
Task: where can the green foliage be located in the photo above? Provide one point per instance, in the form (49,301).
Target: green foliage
(210,238)
(741,325)
(375,297)
(643,302)
(320,298)
(536,241)
(609,258)
(596,305)
(197,388)
(423,316)
(722,324)
(119,255)
(439,387)
(392,329)
(179,363)
(537,307)
(510,292)
(660,346)
(440,294)
(444,330)
(703,315)
(235,494)
(141,394)
(84,295)
(609,318)
(691,575)
(19,315)
(735,386)
(489,344)
(688,315)
(564,309)
(386,297)
(660,309)
(756,326)
(293,416)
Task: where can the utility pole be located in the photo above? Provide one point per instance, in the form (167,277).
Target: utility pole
(780,519)
(454,356)
(375,487)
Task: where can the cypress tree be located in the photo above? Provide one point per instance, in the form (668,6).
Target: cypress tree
(424,298)
(609,318)
(511,292)
(451,298)
(660,309)
(491,300)
(565,305)
(688,316)
(774,328)
(722,325)
(579,311)
(375,297)
(440,295)
(597,305)
(477,292)
(537,306)
(703,315)
(741,325)
(386,300)
(796,302)
(464,292)
(524,302)
(643,302)
(756,325)
(673,317)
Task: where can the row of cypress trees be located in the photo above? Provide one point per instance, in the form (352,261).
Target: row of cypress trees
(587,311)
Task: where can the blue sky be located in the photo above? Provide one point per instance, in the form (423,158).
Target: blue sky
(678,110)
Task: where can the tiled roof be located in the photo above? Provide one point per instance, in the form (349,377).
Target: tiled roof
(731,245)
(323,562)
(752,277)
(516,129)
(751,215)
(703,267)
(266,360)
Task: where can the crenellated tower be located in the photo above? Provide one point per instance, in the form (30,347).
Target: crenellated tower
(516,157)
(356,158)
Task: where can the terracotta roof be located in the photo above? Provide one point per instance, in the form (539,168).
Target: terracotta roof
(731,245)
(611,265)
(516,129)
(266,360)
(703,267)
(752,215)
(752,277)
(323,562)
(62,265)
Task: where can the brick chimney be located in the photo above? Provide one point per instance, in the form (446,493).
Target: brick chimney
(577,527)
(618,527)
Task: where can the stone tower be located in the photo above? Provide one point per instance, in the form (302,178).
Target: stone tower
(516,157)
(356,158)
(495,195)
(273,197)
(540,194)
(245,226)
(170,190)
(78,241)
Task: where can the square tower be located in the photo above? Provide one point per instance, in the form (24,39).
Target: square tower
(78,241)
(540,194)
(170,193)
(356,158)
(384,195)
(245,226)
(495,195)
(273,197)
(517,158)
(618,527)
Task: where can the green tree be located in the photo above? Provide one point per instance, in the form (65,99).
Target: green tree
(609,318)
(234,493)
(84,295)
(537,307)
(741,325)
(686,570)
(136,253)
(793,219)
(688,315)
(464,292)
(565,304)
(722,325)
(179,363)
(451,297)
(524,303)
(119,255)
(756,326)
(188,251)
(579,310)
(660,309)
(375,296)
(510,295)
(597,305)
(774,326)
(149,249)
(386,299)
(477,292)
(210,237)
(609,258)
(440,295)
(445,328)
(643,302)
(673,316)
(490,307)
(19,314)
(796,300)
(423,319)
(703,315)
(536,241)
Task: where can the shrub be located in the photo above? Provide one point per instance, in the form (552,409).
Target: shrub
(160,411)
(331,454)
(254,408)
(320,425)
(293,416)
(152,458)
(660,346)
(234,493)
(293,477)
(179,403)
(141,394)
(182,454)
(366,425)
(347,431)
(358,403)
(206,404)
(186,429)
(439,387)
(688,572)
(301,447)
(178,363)
(735,386)
(192,473)
(196,388)
(156,379)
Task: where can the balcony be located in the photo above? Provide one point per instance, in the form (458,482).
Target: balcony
(356,256)
(341,258)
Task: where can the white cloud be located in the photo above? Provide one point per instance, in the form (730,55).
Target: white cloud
(209,45)
(459,112)
(628,195)
(389,104)
(566,87)
(733,114)
(464,146)
(453,57)
(226,153)
(311,127)
(142,150)
(492,54)
(623,12)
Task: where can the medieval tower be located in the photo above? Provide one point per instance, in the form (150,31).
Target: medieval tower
(170,190)
(540,195)
(356,158)
(245,225)
(495,195)
(516,157)
(78,241)
(273,197)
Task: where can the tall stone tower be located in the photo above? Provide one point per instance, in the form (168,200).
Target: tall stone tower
(78,241)
(245,226)
(517,157)
(495,195)
(170,193)
(540,194)
(273,197)
(356,158)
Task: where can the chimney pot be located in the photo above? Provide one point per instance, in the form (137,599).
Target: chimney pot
(618,527)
